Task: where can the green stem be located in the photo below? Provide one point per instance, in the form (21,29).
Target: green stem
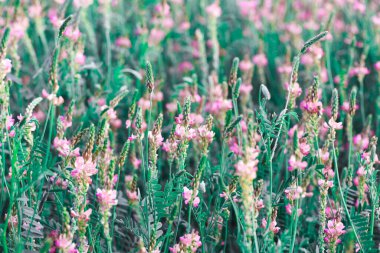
(342,197)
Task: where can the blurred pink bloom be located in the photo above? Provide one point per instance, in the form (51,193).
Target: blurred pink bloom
(377,66)
(185,66)
(156,36)
(65,244)
(245,65)
(214,10)
(260,60)
(35,10)
(5,67)
(123,42)
(80,58)
(132,196)
(296,164)
(359,71)
(72,33)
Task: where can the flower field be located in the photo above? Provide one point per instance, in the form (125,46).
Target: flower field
(189,126)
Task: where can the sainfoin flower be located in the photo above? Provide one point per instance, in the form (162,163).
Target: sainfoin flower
(188,243)
(83,170)
(106,198)
(296,164)
(63,147)
(335,228)
(187,195)
(65,244)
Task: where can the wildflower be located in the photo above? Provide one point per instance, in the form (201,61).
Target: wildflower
(83,170)
(72,33)
(5,67)
(106,198)
(260,60)
(63,146)
(335,228)
(188,243)
(123,42)
(273,227)
(293,193)
(335,125)
(65,244)
(296,164)
(214,10)
(187,195)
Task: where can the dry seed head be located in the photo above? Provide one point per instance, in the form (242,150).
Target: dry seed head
(187,111)
(79,136)
(149,77)
(236,91)
(233,72)
(121,94)
(87,154)
(123,154)
(139,119)
(3,45)
(353,101)
(157,125)
(335,104)
(314,89)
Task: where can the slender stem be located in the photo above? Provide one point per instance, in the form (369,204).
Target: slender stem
(342,197)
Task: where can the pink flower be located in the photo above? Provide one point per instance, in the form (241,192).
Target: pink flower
(123,42)
(359,71)
(223,195)
(304,148)
(377,66)
(260,60)
(72,33)
(83,170)
(247,169)
(273,228)
(296,164)
(312,107)
(65,244)
(132,196)
(5,67)
(293,193)
(335,125)
(361,141)
(264,223)
(334,229)
(63,147)
(85,216)
(214,10)
(156,36)
(185,66)
(245,65)
(80,58)
(106,198)
(35,10)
